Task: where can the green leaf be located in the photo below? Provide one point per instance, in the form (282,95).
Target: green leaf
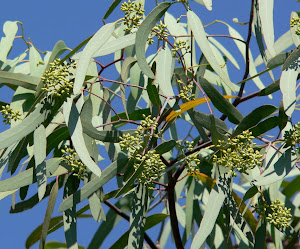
(165,147)
(40,144)
(55,223)
(19,79)
(25,127)
(96,208)
(214,205)
(49,211)
(143,33)
(26,177)
(140,204)
(69,215)
(10,30)
(200,36)
(164,71)
(273,87)
(128,62)
(58,245)
(204,120)
(95,183)
(90,130)
(292,57)
(151,221)
(220,102)
(152,90)
(278,59)
(264,126)
(288,82)
(94,44)
(260,234)
(278,170)
(189,218)
(73,122)
(215,134)
(292,187)
(111,8)
(266,16)
(136,115)
(254,117)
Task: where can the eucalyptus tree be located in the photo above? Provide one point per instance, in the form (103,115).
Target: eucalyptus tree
(226,180)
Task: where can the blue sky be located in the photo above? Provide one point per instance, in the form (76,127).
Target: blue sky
(47,22)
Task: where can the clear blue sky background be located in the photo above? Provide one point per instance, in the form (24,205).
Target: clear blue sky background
(46,22)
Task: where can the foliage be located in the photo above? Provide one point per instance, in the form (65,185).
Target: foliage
(195,183)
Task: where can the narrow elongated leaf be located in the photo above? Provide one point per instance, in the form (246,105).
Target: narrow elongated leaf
(69,215)
(216,136)
(19,79)
(40,144)
(25,127)
(200,36)
(165,147)
(73,122)
(95,183)
(26,177)
(10,30)
(220,102)
(94,44)
(214,204)
(266,17)
(113,46)
(189,218)
(55,223)
(111,8)
(204,120)
(49,211)
(254,117)
(264,126)
(90,130)
(143,33)
(128,62)
(140,204)
(164,71)
(292,57)
(277,171)
(96,208)
(273,87)
(279,59)
(288,82)
(153,95)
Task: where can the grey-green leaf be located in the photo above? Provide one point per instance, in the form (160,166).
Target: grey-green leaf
(73,122)
(220,102)
(140,203)
(214,204)
(10,30)
(201,39)
(95,183)
(40,144)
(143,33)
(18,79)
(49,211)
(94,44)
(204,120)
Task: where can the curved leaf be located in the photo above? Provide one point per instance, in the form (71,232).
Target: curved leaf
(10,30)
(95,183)
(201,39)
(19,79)
(165,147)
(220,102)
(73,122)
(205,120)
(25,127)
(94,44)
(292,57)
(143,33)
(264,126)
(254,117)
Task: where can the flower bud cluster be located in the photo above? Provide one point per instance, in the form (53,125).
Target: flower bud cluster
(296,22)
(135,146)
(160,30)
(181,46)
(9,114)
(293,136)
(57,79)
(71,158)
(279,215)
(238,153)
(187,91)
(192,161)
(134,13)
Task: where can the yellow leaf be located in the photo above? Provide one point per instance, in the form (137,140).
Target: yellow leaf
(209,182)
(189,105)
